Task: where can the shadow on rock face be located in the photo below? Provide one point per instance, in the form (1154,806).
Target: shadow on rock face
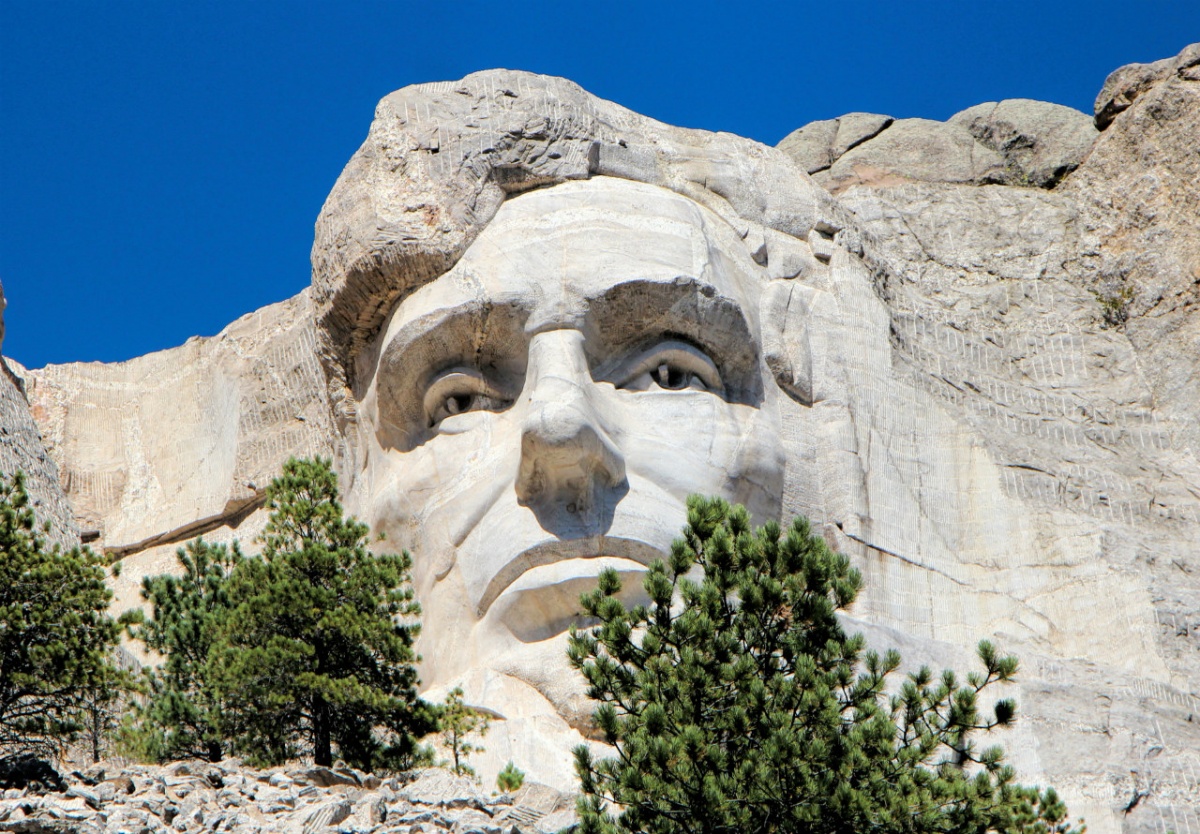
(26,771)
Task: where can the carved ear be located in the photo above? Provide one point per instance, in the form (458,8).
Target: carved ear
(787,257)
(786,308)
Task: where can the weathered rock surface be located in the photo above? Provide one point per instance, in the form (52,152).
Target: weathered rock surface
(168,446)
(193,796)
(1124,85)
(817,145)
(1041,142)
(1017,142)
(1058,329)
(919,149)
(1139,199)
(22,450)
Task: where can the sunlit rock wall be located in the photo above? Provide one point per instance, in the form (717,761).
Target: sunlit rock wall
(1029,440)
(168,446)
(21,450)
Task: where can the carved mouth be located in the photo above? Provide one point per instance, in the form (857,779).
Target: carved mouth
(557,551)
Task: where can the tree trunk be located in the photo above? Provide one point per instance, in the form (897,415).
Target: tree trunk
(322,746)
(95,733)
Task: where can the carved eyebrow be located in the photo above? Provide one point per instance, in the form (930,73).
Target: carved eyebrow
(635,314)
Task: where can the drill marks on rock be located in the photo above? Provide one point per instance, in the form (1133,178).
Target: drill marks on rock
(227,411)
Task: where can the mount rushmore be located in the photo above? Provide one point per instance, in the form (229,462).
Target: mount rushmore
(968,350)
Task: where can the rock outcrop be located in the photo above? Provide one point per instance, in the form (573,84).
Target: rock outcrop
(1138,195)
(986,332)
(180,443)
(1014,142)
(1059,326)
(21,450)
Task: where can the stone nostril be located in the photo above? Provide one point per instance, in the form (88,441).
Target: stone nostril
(565,457)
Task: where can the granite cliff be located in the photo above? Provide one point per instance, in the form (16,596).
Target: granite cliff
(21,450)
(988,330)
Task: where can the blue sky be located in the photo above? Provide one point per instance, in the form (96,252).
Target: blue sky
(162,163)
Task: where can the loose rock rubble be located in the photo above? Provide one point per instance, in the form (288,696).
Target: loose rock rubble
(197,796)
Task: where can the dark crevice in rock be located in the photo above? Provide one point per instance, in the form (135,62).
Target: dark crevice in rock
(866,138)
(235,512)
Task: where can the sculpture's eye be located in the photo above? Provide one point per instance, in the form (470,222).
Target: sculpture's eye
(458,392)
(674,378)
(671,366)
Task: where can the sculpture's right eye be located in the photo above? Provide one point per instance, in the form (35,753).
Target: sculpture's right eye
(460,391)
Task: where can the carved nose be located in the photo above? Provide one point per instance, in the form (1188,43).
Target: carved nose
(566,455)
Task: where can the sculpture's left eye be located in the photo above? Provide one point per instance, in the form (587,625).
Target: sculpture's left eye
(458,392)
(671,366)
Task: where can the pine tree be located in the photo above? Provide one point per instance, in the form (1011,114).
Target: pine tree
(181,716)
(457,723)
(510,779)
(55,634)
(317,651)
(105,703)
(736,703)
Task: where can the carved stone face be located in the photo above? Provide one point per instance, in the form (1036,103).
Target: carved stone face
(542,410)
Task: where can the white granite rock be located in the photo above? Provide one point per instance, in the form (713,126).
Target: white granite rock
(1041,142)
(22,450)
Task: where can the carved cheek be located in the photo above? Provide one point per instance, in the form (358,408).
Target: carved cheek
(683,442)
(428,494)
(757,477)
(686,443)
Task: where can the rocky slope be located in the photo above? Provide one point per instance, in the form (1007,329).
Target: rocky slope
(192,797)
(179,443)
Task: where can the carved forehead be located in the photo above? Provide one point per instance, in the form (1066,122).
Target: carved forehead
(623,204)
(441,159)
(554,251)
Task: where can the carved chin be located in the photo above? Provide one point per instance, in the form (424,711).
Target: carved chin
(544,666)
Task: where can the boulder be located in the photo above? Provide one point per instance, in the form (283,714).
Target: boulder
(1016,142)
(441,788)
(916,149)
(1041,142)
(326,816)
(1125,84)
(324,777)
(817,145)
